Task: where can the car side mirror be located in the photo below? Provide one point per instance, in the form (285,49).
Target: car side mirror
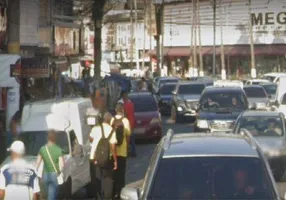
(129,193)
(77,150)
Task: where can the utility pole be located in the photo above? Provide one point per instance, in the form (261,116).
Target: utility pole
(195,40)
(191,61)
(253,69)
(135,39)
(201,73)
(150,36)
(132,34)
(13,25)
(162,38)
(144,36)
(223,72)
(214,38)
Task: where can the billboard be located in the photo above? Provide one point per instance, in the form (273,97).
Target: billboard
(66,41)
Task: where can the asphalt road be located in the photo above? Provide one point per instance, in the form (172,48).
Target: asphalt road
(138,166)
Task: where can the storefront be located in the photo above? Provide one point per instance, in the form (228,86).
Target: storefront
(232,30)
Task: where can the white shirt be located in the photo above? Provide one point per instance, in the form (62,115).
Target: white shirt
(19,180)
(96,135)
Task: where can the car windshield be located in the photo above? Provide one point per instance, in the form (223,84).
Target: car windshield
(162,82)
(191,89)
(144,103)
(223,100)
(34,140)
(262,125)
(212,178)
(270,89)
(167,89)
(255,92)
(270,78)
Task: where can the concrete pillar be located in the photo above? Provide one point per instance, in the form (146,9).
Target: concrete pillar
(13,27)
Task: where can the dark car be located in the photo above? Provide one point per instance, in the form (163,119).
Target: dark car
(257,97)
(185,99)
(268,128)
(148,123)
(206,166)
(219,107)
(158,82)
(270,89)
(164,97)
(209,81)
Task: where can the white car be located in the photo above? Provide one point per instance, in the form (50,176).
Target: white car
(228,83)
(274,76)
(256,81)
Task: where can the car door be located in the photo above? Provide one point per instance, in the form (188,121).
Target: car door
(80,168)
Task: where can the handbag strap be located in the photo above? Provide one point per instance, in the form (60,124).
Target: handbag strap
(50,157)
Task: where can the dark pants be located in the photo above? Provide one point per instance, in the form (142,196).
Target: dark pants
(103,181)
(119,177)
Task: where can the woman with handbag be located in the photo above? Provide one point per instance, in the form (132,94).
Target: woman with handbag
(51,155)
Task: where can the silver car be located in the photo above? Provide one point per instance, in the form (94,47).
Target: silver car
(257,97)
(268,128)
(206,166)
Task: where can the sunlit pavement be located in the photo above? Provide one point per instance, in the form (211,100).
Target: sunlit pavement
(137,166)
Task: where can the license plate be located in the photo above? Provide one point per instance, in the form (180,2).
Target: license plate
(139,131)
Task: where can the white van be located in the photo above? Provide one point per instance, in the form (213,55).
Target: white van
(274,76)
(68,118)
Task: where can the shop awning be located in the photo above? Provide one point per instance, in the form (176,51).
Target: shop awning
(231,50)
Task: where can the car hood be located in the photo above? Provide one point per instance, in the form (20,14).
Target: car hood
(219,115)
(272,146)
(188,97)
(257,100)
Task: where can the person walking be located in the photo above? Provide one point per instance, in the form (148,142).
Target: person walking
(51,155)
(121,127)
(103,155)
(130,115)
(18,179)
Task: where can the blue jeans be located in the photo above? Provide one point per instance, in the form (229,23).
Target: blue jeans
(132,144)
(51,184)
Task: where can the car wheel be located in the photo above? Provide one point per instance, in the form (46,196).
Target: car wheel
(279,172)
(68,189)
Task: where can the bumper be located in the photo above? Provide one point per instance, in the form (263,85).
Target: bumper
(149,132)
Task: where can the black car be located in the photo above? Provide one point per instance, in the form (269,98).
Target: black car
(219,107)
(185,99)
(164,97)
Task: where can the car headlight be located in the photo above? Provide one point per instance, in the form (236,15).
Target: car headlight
(202,123)
(155,120)
(180,109)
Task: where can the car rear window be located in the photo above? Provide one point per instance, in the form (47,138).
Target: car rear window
(212,178)
(168,81)
(144,103)
(255,92)
(191,89)
(167,89)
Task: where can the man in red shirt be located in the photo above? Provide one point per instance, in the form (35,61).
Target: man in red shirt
(129,113)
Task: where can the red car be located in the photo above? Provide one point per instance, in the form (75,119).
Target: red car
(148,122)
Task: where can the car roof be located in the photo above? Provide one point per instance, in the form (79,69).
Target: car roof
(267,83)
(252,86)
(259,80)
(168,78)
(256,113)
(139,94)
(223,88)
(209,144)
(191,83)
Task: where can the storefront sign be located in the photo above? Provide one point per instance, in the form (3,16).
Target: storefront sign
(269,21)
(36,67)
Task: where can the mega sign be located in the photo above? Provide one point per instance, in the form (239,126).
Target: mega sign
(269,21)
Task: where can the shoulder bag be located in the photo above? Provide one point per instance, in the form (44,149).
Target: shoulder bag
(60,176)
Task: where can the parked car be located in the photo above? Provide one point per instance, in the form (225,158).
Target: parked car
(206,166)
(185,99)
(164,80)
(67,118)
(219,107)
(256,81)
(268,128)
(164,97)
(257,97)
(270,89)
(274,76)
(148,118)
(208,80)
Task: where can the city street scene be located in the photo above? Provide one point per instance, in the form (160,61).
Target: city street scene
(143,99)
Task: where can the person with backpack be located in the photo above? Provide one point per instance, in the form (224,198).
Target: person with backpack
(121,126)
(104,157)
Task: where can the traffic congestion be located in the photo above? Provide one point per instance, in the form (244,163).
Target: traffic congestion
(233,145)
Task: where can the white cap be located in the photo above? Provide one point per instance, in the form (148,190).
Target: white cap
(17,147)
